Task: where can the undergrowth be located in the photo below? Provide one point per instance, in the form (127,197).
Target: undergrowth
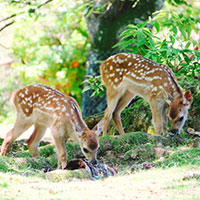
(130,149)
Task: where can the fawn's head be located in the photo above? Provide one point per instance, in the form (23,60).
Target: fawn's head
(89,142)
(178,111)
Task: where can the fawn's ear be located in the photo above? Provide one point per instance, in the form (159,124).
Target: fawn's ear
(168,98)
(187,98)
(99,127)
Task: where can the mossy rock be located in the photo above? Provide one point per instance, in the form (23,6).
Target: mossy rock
(26,166)
(67,175)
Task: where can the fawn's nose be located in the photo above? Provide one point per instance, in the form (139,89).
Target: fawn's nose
(175,131)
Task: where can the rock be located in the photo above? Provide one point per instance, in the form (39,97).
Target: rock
(197,133)
(191,131)
(159,151)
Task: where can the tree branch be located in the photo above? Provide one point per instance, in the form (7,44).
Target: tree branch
(17,14)
(11,16)
(43,4)
(5,26)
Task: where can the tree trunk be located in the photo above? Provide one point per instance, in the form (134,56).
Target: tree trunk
(104,28)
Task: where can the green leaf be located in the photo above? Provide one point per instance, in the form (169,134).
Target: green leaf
(182,30)
(172,39)
(151,42)
(139,35)
(134,49)
(157,26)
(187,45)
(174,30)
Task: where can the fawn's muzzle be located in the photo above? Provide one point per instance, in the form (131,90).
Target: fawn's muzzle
(174,132)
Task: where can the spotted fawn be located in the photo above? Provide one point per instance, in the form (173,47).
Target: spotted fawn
(128,75)
(44,107)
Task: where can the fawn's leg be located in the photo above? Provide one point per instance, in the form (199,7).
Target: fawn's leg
(164,119)
(20,126)
(33,141)
(157,116)
(123,102)
(112,101)
(60,142)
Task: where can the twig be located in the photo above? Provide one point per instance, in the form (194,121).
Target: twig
(135,4)
(10,23)
(3,46)
(43,4)
(11,16)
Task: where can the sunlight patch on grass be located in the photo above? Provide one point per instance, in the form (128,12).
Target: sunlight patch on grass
(151,184)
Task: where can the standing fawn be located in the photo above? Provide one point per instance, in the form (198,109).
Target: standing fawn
(43,107)
(129,75)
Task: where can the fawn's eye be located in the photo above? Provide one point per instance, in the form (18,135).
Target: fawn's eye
(181,119)
(85,150)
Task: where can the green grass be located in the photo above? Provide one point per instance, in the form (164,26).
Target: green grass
(182,158)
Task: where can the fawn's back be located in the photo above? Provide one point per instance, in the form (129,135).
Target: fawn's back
(45,105)
(145,76)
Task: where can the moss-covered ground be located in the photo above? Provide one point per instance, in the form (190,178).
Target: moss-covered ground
(149,167)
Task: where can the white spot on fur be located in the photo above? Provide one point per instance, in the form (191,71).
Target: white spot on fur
(154,89)
(157,77)
(44,105)
(148,78)
(165,84)
(64,109)
(133,75)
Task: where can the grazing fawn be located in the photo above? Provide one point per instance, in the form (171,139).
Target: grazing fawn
(128,75)
(43,107)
